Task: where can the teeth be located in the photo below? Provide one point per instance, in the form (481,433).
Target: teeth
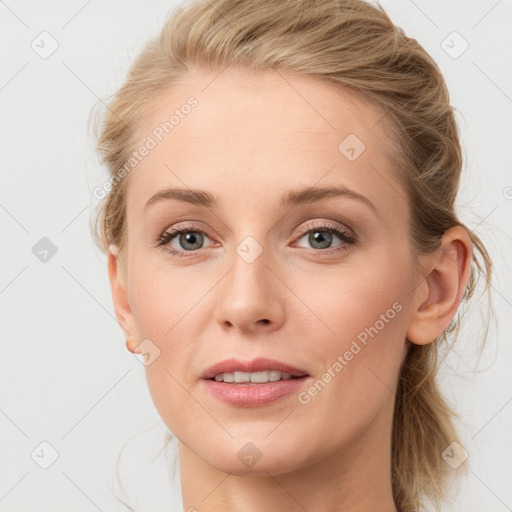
(257,377)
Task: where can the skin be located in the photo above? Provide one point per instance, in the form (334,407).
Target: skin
(251,139)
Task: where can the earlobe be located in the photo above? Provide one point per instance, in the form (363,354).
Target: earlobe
(132,346)
(444,286)
(119,292)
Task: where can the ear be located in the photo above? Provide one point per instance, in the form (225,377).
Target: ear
(117,276)
(438,297)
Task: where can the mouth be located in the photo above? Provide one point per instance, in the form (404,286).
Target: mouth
(257,371)
(255,383)
(255,378)
(237,391)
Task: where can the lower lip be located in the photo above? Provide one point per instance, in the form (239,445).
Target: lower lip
(252,394)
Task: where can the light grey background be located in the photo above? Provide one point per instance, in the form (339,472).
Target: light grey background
(66,377)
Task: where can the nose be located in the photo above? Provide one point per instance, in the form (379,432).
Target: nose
(251,298)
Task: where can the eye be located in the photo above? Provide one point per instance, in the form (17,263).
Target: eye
(189,239)
(320,236)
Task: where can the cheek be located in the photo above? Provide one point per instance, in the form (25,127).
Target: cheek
(354,303)
(366,314)
(161,298)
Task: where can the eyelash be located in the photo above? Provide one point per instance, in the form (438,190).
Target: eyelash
(167,237)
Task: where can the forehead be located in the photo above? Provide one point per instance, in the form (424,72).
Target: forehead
(261,132)
(263,103)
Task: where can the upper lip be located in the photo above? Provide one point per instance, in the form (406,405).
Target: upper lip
(256,365)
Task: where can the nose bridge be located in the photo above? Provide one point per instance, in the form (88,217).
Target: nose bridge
(250,248)
(249,267)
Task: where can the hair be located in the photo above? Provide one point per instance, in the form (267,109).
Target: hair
(356,47)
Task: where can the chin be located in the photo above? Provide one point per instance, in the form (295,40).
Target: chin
(255,458)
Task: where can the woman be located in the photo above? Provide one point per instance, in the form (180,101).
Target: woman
(284,252)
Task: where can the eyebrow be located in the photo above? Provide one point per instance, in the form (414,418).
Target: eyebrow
(290,199)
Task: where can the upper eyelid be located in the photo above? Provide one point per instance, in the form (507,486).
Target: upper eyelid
(323,224)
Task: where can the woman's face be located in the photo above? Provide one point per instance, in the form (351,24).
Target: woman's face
(320,282)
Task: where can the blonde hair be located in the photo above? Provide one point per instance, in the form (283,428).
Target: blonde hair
(353,45)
